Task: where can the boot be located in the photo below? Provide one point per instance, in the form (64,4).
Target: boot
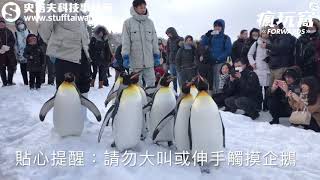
(100,84)
(274,121)
(92,83)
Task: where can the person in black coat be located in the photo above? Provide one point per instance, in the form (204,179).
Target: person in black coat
(172,50)
(238,46)
(242,46)
(243,90)
(35,61)
(186,61)
(278,100)
(8,61)
(281,51)
(100,54)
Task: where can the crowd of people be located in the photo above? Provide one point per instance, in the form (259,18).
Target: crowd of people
(260,71)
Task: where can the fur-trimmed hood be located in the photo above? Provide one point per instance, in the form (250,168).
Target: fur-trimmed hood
(98,29)
(137,16)
(172,31)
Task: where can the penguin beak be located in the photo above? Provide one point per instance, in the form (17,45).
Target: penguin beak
(190,84)
(171,78)
(136,75)
(196,78)
(201,78)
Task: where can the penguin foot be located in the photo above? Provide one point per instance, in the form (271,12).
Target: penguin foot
(142,137)
(113,145)
(170,143)
(205,170)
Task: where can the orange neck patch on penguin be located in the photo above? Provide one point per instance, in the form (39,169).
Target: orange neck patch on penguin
(203,94)
(132,90)
(67,86)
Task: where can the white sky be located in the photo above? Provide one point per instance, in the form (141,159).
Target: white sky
(194,17)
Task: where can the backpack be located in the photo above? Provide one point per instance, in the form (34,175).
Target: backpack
(255,51)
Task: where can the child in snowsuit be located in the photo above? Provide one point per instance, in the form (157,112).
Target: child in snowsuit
(35,61)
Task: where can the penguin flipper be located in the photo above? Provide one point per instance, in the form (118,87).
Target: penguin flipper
(110,97)
(223,131)
(46,108)
(163,123)
(93,108)
(147,107)
(150,87)
(177,108)
(105,122)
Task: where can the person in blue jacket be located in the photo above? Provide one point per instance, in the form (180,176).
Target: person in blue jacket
(219,47)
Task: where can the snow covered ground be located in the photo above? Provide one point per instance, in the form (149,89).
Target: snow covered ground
(21,132)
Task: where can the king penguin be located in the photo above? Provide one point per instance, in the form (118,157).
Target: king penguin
(66,104)
(135,82)
(126,115)
(181,117)
(181,126)
(163,103)
(206,126)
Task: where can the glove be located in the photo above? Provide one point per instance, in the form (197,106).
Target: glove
(5,48)
(156,58)
(126,62)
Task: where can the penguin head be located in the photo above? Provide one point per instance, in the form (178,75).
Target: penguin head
(69,77)
(201,83)
(166,80)
(126,80)
(122,74)
(185,89)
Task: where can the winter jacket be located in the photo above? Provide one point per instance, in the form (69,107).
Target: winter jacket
(7,38)
(65,39)
(257,56)
(35,58)
(99,49)
(222,81)
(295,87)
(248,43)
(309,55)
(220,46)
(173,45)
(281,51)
(186,58)
(21,36)
(247,86)
(238,48)
(139,40)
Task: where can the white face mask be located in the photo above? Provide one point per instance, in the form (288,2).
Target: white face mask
(312,31)
(240,69)
(215,32)
(21,26)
